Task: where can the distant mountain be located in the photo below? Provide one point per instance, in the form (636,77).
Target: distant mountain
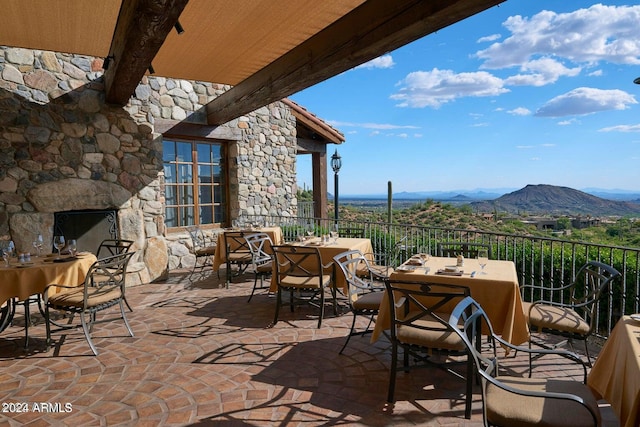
(550,199)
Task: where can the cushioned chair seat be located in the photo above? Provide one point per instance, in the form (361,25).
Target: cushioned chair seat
(558,318)
(436,336)
(239,257)
(75,297)
(206,251)
(507,409)
(310,282)
(368,301)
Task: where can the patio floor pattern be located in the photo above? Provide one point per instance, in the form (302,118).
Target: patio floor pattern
(202,355)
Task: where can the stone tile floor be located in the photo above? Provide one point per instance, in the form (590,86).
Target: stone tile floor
(203,356)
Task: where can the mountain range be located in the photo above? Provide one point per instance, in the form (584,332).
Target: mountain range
(555,200)
(533,199)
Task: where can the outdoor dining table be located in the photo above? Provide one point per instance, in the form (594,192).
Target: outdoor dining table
(20,281)
(220,257)
(330,249)
(496,290)
(615,375)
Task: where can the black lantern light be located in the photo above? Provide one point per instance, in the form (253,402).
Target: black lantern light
(336,164)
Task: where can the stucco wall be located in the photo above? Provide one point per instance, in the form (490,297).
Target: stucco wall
(63,148)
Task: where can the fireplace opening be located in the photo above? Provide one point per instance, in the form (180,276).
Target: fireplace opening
(88,227)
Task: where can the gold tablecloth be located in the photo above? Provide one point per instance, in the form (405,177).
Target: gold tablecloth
(496,291)
(22,282)
(221,251)
(615,375)
(329,250)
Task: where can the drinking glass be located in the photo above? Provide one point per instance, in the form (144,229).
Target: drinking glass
(483,258)
(58,243)
(72,247)
(38,243)
(6,254)
(310,229)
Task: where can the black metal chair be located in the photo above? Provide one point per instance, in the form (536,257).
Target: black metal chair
(299,269)
(111,247)
(204,249)
(516,401)
(466,249)
(261,260)
(103,287)
(238,252)
(569,311)
(419,325)
(364,296)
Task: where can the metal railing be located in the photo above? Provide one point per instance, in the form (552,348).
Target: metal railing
(542,261)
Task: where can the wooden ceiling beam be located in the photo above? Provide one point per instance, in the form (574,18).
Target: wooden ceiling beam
(142,27)
(370,30)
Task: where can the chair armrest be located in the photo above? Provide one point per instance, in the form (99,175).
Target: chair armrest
(546,289)
(542,351)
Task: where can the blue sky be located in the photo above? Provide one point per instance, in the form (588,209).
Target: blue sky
(530,92)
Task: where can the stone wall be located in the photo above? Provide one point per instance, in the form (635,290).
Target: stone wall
(62,148)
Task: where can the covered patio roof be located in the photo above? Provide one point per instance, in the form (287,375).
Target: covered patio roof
(266,50)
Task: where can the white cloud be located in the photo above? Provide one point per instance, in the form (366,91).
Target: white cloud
(490,38)
(436,87)
(524,147)
(540,72)
(520,111)
(621,128)
(596,73)
(599,33)
(382,126)
(585,100)
(384,61)
(568,122)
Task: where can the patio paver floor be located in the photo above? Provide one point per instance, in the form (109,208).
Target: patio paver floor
(203,356)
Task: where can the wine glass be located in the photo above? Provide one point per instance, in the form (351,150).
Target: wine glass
(310,230)
(72,247)
(6,254)
(483,258)
(38,243)
(58,243)
(334,234)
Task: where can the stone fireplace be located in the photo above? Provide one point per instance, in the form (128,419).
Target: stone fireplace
(87,227)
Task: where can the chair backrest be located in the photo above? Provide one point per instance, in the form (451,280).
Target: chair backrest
(411,302)
(110,247)
(349,263)
(466,249)
(259,244)
(299,261)
(199,240)
(235,241)
(591,280)
(109,274)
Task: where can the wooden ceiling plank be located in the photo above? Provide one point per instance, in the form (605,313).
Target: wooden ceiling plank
(142,27)
(370,30)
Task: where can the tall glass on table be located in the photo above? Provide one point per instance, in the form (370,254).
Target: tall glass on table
(58,243)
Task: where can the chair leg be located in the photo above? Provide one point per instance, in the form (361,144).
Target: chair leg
(126,323)
(27,320)
(469,396)
(255,284)
(392,373)
(278,302)
(321,308)
(47,326)
(586,349)
(351,332)
(128,306)
(87,334)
